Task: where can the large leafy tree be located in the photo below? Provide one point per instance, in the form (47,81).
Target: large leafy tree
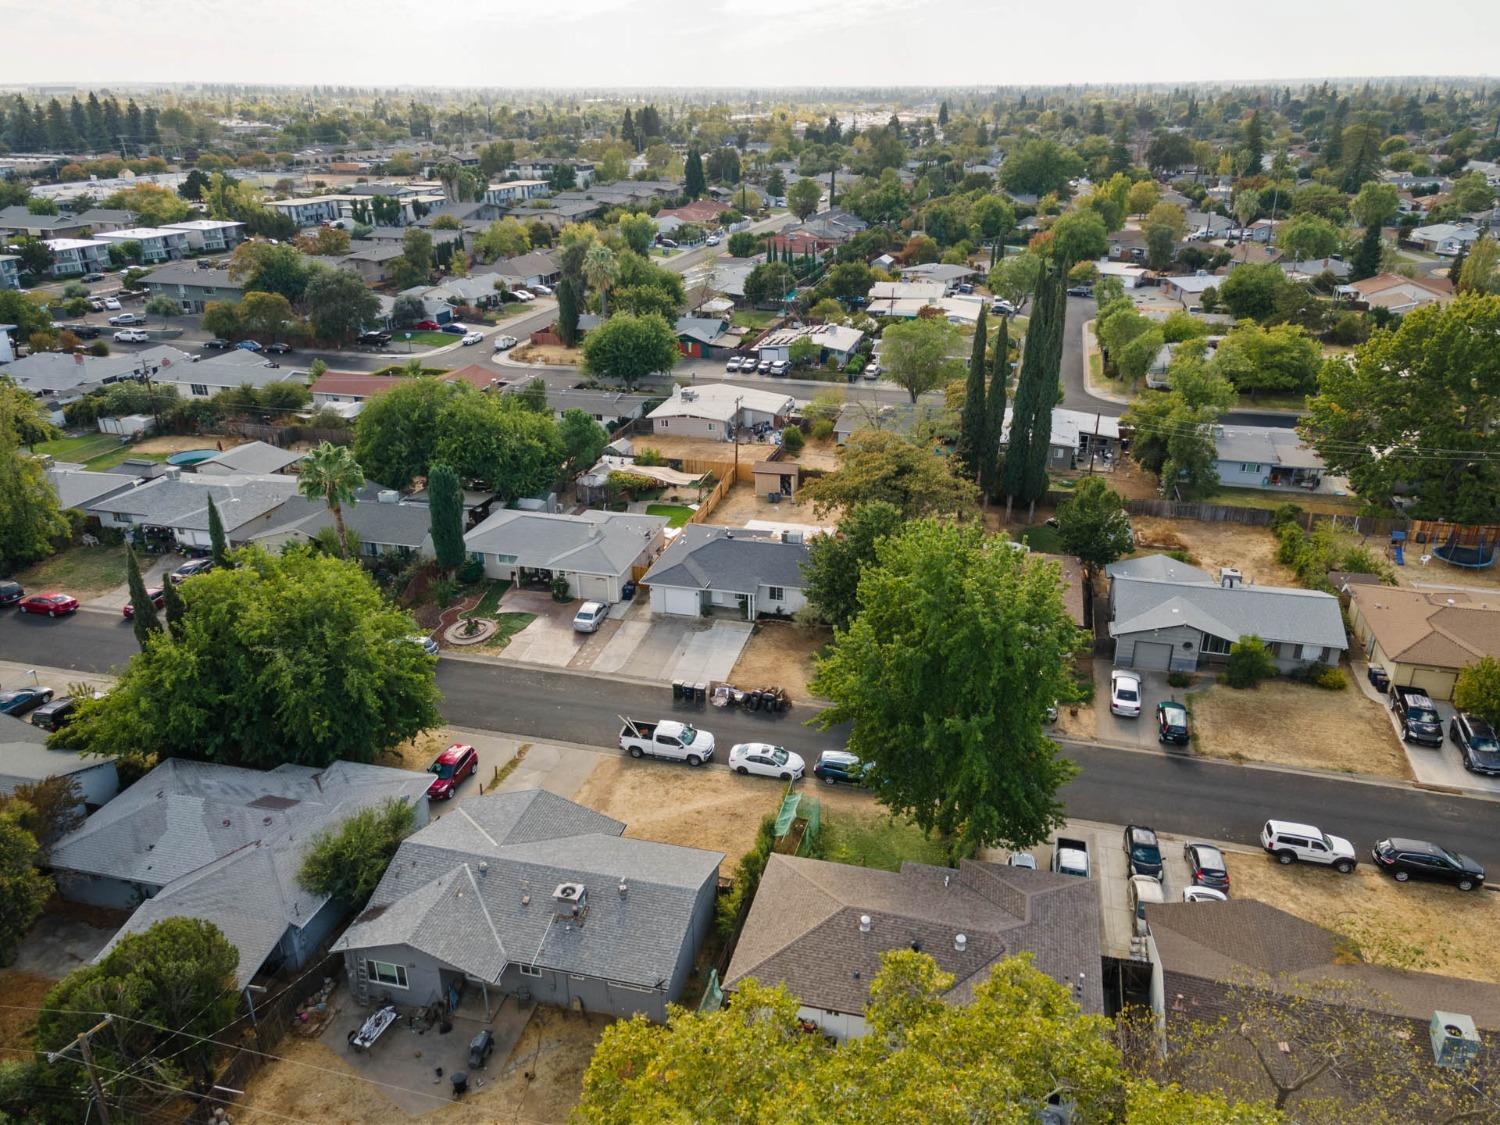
(1282,358)
(1251,290)
(30,519)
(1416,411)
(290,658)
(1078,236)
(397,431)
(769,283)
(946,672)
(921,355)
(1093,525)
(347,862)
(264,315)
(882,465)
(499,443)
(1478,689)
(803,197)
(630,348)
(271,268)
(339,304)
(583,439)
(1306,237)
(23,888)
(1038,166)
(1174,432)
(445,499)
(331,474)
(835,562)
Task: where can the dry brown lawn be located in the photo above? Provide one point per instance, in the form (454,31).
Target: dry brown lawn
(742,503)
(818,454)
(548,353)
(699,449)
(417,753)
(22,991)
(555,1049)
(675,804)
(1411,926)
(1297,725)
(176,443)
(780,654)
(1077,721)
(1251,550)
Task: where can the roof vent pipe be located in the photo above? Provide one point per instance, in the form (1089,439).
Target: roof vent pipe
(960,942)
(864,923)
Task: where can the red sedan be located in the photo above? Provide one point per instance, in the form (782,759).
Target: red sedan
(426,325)
(158,599)
(52,604)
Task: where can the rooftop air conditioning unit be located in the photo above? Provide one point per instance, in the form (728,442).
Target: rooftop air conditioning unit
(1455,1040)
(388,496)
(1229,578)
(569,895)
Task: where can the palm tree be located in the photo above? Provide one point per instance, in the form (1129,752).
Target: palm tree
(600,270)
(331,474)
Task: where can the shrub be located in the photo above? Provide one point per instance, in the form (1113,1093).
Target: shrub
(445,590)
(1249,663)
(471,571)
(1285,514)
(1182,556)
(792,440)
(649,457)
(560,591)
(347,862)
(732,907)
(99,348)
(822,429)
(1180,679)
(1327,676)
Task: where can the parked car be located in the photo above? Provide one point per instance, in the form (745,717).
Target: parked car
(1206,866)
(1172,722)
(126,320)
(21,700)
(1379,677)
(766,760)
(131,336)
(217,345)
(1143,851)
(1290,842)
(1404,860)
(780,367)
(1002,308)
(714,239)
(590,616)
(92,277)
(249,346)
(542,290)
(732,364)
(872,369)
(11,593)
(1125,694)
(427,326)
(86,331)
(471,338)
(1144,890)
(1477,743)
(96,305)
(158,598)
(523,294)
(1203,894)
(1021,859)
(428,645)
(1417,715)
(278,348)
(668,738)
(112,304)
(1080,291)
(189,569)
(834,766)
(1070,856)
(455,329)
(764,367)
(52,604)
(670,244)
(56,714)
(504,343)
(376,338)
(451,766)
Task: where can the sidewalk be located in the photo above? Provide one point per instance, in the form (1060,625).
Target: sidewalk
(1094,387)
(15,675)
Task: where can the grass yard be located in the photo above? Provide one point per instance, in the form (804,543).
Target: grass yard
(865,836)
(82,448)
(510,624)
(22,992)
(754,318)
(84,572)
(424,339)
(1041,538)
(491,600)
(119,455)
(677,514)
(1271,499)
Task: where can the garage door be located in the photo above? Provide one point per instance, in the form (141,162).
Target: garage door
(1152,656)
(686,603)
(594,586)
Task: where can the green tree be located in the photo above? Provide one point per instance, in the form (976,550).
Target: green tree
(1305,237)
(1381,432)
(583,439)
(271,268)
(397,432)
(945,675)
(803,197)
(1376,204)
(446,504)
(347,862)
(1366,260)
(881,465)
(1255,143)
(1142,196)
(569,309)
(30,518)
(1478,690)
(630,348)
(174,609)
(600,270)
(693,184)
(331,474)
(143,617)
(1092,524)
(289,658)
(1014,278)
(164,307)
(1038,166)
(848,281)
(1480,271)
(1165,226)
(1471,192)
(1036,394)
(499,443)
(995,218)
(835,562)
(1251,291)
(339,304)
(23,414)
(639,231)
(504,238)
(1249,663)
(154,206)
(265,316)
(407,310)
(221,319)
(23,887)
(769,283)
(1079,236)
(972,450)
(918,355)
(1281,358)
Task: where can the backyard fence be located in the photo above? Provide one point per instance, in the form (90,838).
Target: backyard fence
(1251,517)
(284,436)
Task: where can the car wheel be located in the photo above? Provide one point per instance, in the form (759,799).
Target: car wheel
(1401,876)
(827,780)
(46,697)
(694,760)
(52,613)
(1343,867)
(1405,735)
(741,770)
(786,777)
(636,752)
(1466,884)
(1286,857)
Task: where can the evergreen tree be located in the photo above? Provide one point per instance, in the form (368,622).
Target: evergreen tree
(568,306)
(971,451)
(627,131)
(133,132)
(1366,261)
(693,184)
(1255,144)
(994,411)
(1036,393)
(446,502)
(1455,268)
(143,610)
(219,548)
(943,113)
(175,609)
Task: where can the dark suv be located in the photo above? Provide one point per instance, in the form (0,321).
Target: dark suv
(11,593)
(1477,743)
(1404,860)
(1418,716)
(1143,851)
(55,715)
(835,766)
(375,339)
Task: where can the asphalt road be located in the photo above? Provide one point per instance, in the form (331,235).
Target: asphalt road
(1173,793)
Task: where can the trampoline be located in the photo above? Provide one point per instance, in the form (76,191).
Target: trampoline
(1471,556)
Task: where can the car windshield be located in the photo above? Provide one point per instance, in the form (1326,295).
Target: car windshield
(688,734)
(777,755)
(443,769)
(1485,741)
(1453,858)
(1174,716)
(1328,842)
(1145,853)
(1423,715)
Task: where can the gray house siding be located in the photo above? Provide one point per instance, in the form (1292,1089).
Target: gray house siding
(1244,474)
(300,942)
(101,890)
(703,916)
(1287,656)
(424,982)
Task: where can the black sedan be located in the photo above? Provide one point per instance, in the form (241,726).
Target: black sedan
(21,700)
(278,348)
(1404,860)
(188,569)
(11,593)
(1477,743)
(1143,851)
(1172,722)
(217,345)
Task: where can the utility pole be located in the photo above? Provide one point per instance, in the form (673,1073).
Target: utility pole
(82,1042)
(738,399)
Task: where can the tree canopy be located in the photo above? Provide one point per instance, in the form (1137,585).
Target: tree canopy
(882,465)
(347,861)
(629,347)
(922,355)
(397,432)
(1093,525)
(835,562)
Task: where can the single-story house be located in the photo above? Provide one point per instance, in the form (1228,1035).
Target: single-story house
(176,504)
(539,267)
(899,417)
(77,487)
(727,276)
(707,567)
(596,552)
(1130,277)
(379,517)
(194,287)
(834,341)
(529,895)
(950,277)
(259,457)
(703,337)
(609,408)
(1074,435)
(1421,638)
(26,760)
(1265,457)
(58,379)
(715,410)
(1398,294)
(225,371)
(1307,269)
(1444,239)
(704,212)
(1168,616)
(1187,289)
(821,928)
(928,291)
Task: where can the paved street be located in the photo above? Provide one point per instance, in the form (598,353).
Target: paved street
(1174,793)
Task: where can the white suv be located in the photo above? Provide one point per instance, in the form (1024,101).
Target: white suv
(1290,842)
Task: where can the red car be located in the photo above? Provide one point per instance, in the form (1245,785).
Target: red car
(158,599)
(452,766)
(426,325)
(51,603)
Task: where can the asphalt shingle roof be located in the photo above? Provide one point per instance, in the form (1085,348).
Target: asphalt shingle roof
(588,543)
(183,501)
(719,558)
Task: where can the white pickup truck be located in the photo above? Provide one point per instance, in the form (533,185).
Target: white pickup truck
(681,742)
(1071,856)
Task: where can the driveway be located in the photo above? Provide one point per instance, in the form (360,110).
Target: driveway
(672,648)
(60,943)
(1132,732)
(154,575)
(550,639)
(1441,765)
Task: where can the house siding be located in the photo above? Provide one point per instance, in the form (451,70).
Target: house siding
(1285,654)
(102,890)
(691,427)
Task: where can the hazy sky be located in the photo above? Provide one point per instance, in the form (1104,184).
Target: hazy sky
(739,44)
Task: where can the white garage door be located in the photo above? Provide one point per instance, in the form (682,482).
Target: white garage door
(1152,656)
(594,586)
(686,603)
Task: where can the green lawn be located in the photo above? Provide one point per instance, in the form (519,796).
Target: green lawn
(510,624)
(1042,538)
(754,318)
(677,514)
(80,448)
(876,839)
(422,340)
(491,600)
(1271,499)
(80,571)
(118,455)
(1273,402)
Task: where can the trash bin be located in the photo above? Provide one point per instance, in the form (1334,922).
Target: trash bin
(700,691)
(752,701)
(677,686)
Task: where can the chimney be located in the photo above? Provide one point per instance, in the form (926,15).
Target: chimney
(960,942)
(864,923)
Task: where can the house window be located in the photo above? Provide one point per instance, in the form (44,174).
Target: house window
(1216,646)
(123,517)
(1313,653)
(199,389)
(775,594)
(1249,467)
(528,970)
(506,560)
(383,972)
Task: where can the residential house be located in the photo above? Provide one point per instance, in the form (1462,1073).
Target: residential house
(1398,294)
(379,517)
(58,379)
(529,895)
(610,409)
(703,212)
(74,256)
(10,271)
(802,242)
(834,341)
(259,457)
(214,236)
(194,287)
(511,192)
(898,417)
(25,759)
(1204,225)
(175,505)
(1423,639)
(707,567)
(1127,245)
(225,844)
(703,337)
(340,388)
(233,368)
(1444,239)
(371,260)
(821,928)
(77,487)
(1075,434)
(1168,616)
(1187,289)
(595,552)
(539,267)
(1130,277)
(717,410)
(835,225)
(727,276)
(1265,457)
(1312,268)
(158,244)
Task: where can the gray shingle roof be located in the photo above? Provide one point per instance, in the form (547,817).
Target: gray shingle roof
(58,373)
(25,758)
(183,502)
(186,273)
(77,487)
(252,457)
(233,368)
(588,543)
(1160,567)
(508,852)
(718,558)
(803,928)
(401,524)
(1273,613)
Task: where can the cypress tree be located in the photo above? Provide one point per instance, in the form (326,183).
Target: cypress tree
(218,549)
(567,310)
(994,411)
(1455,267)
(143,610)
(446,502)
(972,422)
(176,609)
(693,183)
(1036,393)
(1366,261)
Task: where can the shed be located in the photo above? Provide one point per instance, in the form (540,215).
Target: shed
(777,477)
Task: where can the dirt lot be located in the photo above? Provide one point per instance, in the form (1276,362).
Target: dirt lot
(779,653)
(555,1048)
(176,443)
(742,503)
(21,991)
(548,353)
(700,449)
(819,455)
(1077,721)
(1415,926)
(1251,550)
(1293,724)
(417,753)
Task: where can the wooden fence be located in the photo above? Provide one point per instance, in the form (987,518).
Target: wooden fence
(1251,517)
(284,436)
(711,501)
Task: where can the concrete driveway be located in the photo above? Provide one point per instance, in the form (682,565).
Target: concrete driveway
(1430,765)
(673,648)
(154,575)
(550,639)
(1132,732)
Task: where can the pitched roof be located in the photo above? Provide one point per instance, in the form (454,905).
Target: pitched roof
(704,329)
(58,373)
(721,402)
(25,758)
(1160,567)
(804,927)
(398,523)
(182,501)
(233,368)
(1270,445)
(703,557)
(591,542)
(1440,629)
(78,487)
(1273,613)
(474,890)
(252,457)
